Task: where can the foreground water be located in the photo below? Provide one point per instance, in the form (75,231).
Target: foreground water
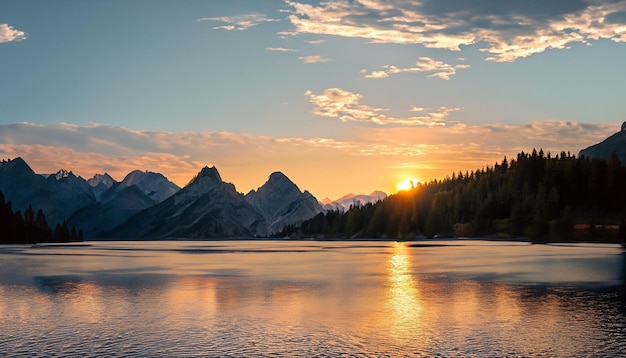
(284,298)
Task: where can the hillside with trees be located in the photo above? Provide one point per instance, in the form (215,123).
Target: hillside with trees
(536,196)
(31,228)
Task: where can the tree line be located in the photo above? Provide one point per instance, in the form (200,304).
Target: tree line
(31,228)
(535,195)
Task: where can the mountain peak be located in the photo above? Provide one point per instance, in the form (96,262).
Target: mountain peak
(63,174)
(211,172)
(17,164)
(277,177)
(104,179)
(155,185)
(282,203)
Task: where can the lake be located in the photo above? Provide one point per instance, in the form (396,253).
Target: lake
(312,298)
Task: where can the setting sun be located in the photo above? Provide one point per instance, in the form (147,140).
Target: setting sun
(407,184)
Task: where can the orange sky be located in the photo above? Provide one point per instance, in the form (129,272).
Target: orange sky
(374,159)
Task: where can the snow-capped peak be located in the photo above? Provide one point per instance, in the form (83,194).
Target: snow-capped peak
(345,202)
(61,174)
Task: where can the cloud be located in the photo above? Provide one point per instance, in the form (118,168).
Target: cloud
(427,152)
(316,42)
(505,30)
(238,22)
(345,105)
(280,49)
(314,59)
(436,68)
(9,34)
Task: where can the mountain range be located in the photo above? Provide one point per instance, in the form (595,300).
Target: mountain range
(146,205)
(95,205)
(345,202)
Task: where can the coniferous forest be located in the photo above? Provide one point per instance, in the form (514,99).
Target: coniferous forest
(535,196)
(31,228)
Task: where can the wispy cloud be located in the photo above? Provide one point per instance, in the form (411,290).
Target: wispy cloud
(314,59)
(238,22)
(345,105)
(436,68)
(280,49)
(9,33)
(506,30)
(316,42)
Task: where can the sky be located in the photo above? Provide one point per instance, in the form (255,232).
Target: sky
(340,96)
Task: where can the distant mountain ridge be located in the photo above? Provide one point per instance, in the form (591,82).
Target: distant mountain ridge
(345,202)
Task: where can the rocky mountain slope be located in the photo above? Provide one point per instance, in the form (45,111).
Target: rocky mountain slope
(281,202)
(603,150)
(206,208)
(156,186)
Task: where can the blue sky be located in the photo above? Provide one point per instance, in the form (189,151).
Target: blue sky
(341,96)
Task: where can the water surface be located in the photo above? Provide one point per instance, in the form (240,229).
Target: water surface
(307,298)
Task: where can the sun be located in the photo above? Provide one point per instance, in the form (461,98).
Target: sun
(407,184)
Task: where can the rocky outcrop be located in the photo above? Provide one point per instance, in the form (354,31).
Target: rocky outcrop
(281,202)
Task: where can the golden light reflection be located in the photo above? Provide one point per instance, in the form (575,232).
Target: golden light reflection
(86,300)
(193,296)
(404,296)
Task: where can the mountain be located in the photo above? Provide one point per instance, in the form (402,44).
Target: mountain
(20,185)
(116,201)
(155,185)
(603,150)
(114,209)
(94,205)
(206,208)
(345,202)
(104,179)
(68,194)
(282,203)
(146,205)
(59,195)
(100,183)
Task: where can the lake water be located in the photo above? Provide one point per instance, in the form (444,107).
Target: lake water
(309,298)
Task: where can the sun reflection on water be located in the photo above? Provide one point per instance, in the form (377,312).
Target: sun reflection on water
(404,295)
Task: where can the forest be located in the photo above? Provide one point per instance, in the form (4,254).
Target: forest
(31,228)
(535,196)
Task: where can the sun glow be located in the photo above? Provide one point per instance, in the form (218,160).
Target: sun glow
(407,184)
